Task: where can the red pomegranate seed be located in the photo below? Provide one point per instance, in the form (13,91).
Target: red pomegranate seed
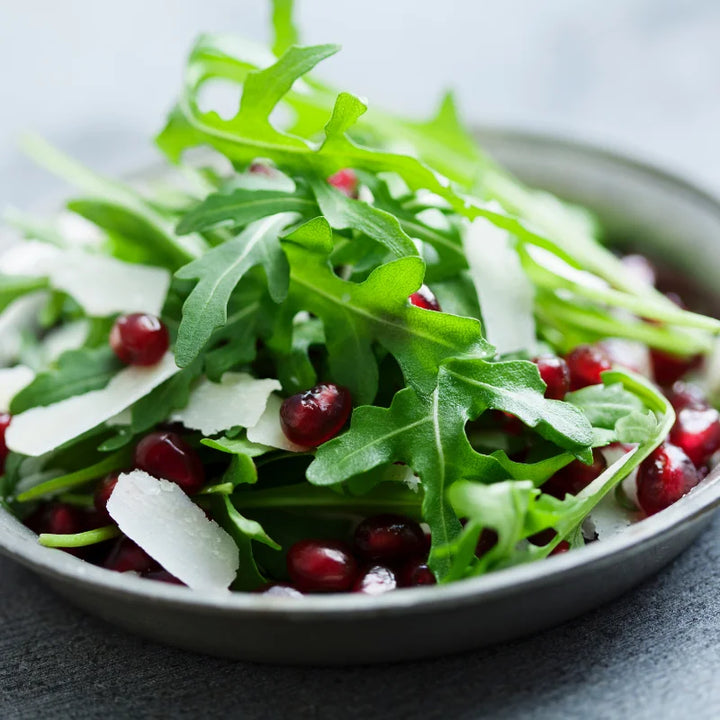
(389,538)
(345,181)
(279,590)
(126,556)
(664,477)
(555,374)
(163,576)
(424,298)
(321,566)
(375,580)
(697,432)
(543,537)
(166,455)
(4,423)
(416,572)
(668,368)
(102,495)
(486,542)
(312,417)
(562,547)
(575,477)
(139,339)
(641,268)
(585,363)
(684,395)
(57,518)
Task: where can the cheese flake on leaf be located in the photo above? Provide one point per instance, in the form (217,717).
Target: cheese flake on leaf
(172,529)
(12,381)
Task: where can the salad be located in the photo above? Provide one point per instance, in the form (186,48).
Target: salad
(329,349)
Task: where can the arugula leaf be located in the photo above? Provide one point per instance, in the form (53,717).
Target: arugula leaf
(242,469)
(219,271)
(77,372)
(14,286)
(356,314)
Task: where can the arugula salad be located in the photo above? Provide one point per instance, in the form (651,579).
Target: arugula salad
(330,349)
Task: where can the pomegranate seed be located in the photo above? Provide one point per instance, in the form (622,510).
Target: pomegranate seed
(697,432)
(684,395)
(57,518)
(486,542)
(389,538)
(668,368)
(126,556)
(163,576)
(555,374)
(166,455)
(416,572)
(562,547)
(4,422)
(585,363)
(375,580)
(664,477)
(641,268)
(345,181)
(321,566)
(543,537)
(424,298)
(575,477)
(102,495)
(628,354)
(314,416)
(139,339)
(279,590)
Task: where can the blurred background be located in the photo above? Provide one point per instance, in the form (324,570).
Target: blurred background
(96,78)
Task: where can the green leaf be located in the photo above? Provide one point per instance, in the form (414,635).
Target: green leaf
(77,372)
(219,271)
(241,207)
(242,469)
(284,29)
(82,539)
(14,286)
(356,314)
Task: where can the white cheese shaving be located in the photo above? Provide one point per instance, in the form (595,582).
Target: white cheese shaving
(66,337)
(172,529)
(268,430)
(12,381)
(18,317)
(505,292)
(101,285)
(41,429)
(238,399)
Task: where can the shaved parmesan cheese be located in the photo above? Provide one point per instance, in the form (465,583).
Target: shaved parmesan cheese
(238,399)
(505,292)
(268,430)
(18,317)
(12,381)
(41,429)
(63,338)
(101,285)
(172,529)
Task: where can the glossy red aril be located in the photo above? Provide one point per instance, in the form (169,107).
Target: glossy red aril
(486,542)
(697,432)
(664,477)
(668,368)
(375,580)
(562,547)
(139,339)
(126,556)
(640,268)
(345,181)
(416,572)
(314,416)
(279,590)
(166,455)
(102,494)
(685,395)
(425,298)
(555,374)
(585,364)
(575,477)
(57,518)
(4,423)
(389,538)
(321,566)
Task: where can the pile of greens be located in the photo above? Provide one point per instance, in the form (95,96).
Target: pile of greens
(282,275)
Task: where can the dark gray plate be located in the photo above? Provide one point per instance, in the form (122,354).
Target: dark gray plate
(634,200)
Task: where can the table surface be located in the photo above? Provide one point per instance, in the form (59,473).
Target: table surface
(636,77)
